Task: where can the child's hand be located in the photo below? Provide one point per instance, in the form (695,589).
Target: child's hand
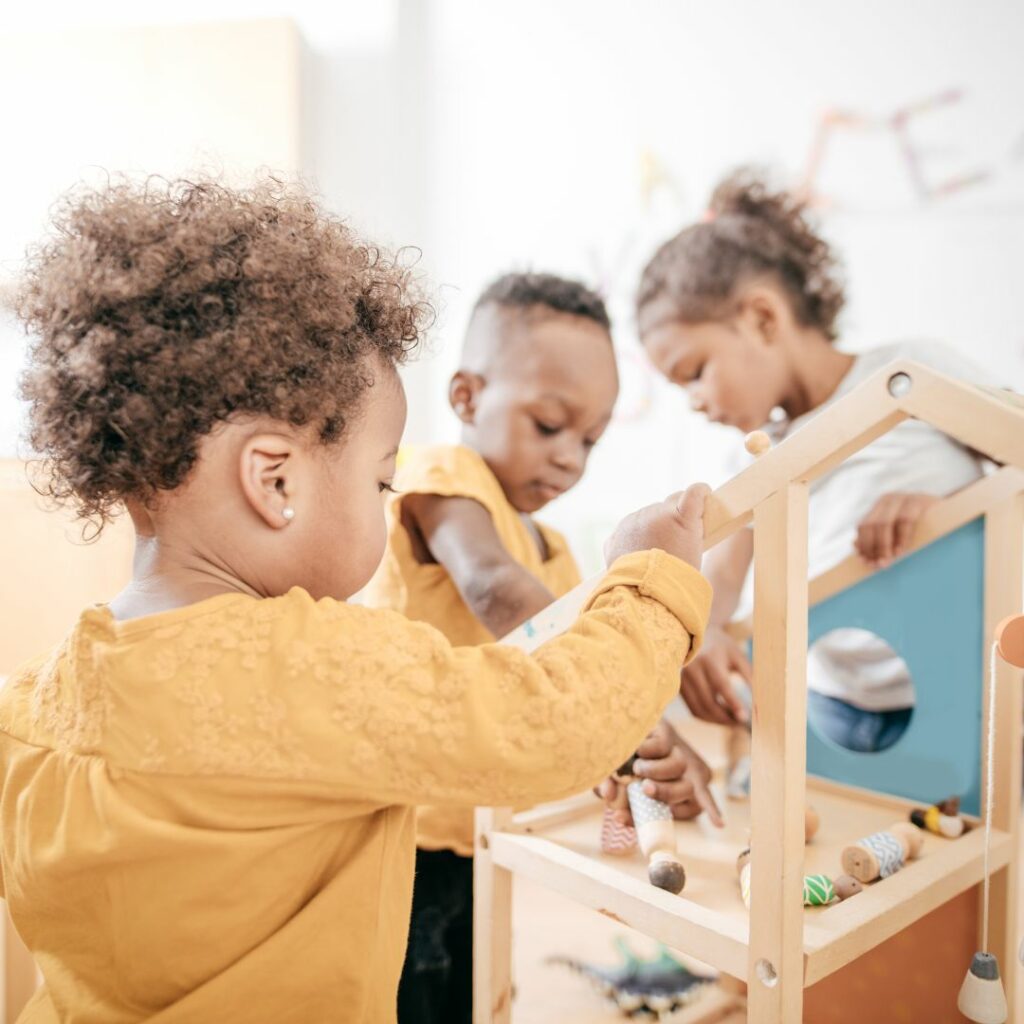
(888,528)
(675,525)
(706,683)
(674,773)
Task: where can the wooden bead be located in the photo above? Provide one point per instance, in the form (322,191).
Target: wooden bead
(818,891)
(812,822)
(757,442)
(846,886)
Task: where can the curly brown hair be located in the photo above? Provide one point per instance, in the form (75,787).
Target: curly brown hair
(750,230)
(160,309)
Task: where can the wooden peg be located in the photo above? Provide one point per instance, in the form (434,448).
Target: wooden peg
(656,833)
(931,819)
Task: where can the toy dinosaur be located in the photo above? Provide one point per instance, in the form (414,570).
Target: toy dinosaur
(641,988)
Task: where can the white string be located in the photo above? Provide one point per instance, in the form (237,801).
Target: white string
(990,760)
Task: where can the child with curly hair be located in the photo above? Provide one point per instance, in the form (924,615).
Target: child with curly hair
(535,390)
(207,788)
(741,310)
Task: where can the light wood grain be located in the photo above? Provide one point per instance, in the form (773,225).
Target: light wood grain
(1004,582)
(778,757)
(492,922)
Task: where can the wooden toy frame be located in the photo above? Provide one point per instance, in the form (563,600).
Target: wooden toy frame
(776,949)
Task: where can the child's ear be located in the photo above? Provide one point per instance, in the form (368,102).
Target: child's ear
(463,391)
(764,310)
(268,475)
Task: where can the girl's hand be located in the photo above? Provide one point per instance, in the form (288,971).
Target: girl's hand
(673,772)
(888,528)
(675,525)
(706,683)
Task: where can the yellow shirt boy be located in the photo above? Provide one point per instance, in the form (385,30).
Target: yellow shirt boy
(427,593)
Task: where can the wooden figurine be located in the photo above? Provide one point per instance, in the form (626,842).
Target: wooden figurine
(883,853)
(939,821)
(653,829)
(656,833)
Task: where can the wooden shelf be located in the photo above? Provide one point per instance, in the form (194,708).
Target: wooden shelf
(559,848)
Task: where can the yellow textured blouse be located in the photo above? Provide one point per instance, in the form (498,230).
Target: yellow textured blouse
(426,593)
(207,813)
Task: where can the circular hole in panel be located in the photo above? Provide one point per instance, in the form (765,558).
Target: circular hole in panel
(861,693)
(900,384)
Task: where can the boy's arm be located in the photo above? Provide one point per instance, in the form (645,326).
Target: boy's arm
(460,535)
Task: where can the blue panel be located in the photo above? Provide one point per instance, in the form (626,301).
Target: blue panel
(929,608)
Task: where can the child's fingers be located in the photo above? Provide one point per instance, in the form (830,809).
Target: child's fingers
(669,766)
(905,524)
(885,534)
(686,810)
(704,797)
(607,790)
(728,698)
(671,793)
(690,505)
(656,745)
(699,695)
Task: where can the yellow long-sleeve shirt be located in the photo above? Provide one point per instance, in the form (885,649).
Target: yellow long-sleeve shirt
(425,592)
(207,812)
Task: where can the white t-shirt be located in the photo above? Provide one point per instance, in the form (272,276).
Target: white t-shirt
(912,458)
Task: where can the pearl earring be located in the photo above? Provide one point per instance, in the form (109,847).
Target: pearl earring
(288,513)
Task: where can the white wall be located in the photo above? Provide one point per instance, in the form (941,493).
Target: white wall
(495,135)
(542,114)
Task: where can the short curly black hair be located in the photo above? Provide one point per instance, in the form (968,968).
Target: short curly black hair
(561,294)
(750,229)
(162,308)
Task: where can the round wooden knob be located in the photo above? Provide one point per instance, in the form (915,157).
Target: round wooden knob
(757,442)
(1010,640)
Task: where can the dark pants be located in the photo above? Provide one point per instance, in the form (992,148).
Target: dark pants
(437,978)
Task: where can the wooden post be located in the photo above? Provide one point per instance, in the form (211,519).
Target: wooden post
(1004,592)
(779,758)
(492,924)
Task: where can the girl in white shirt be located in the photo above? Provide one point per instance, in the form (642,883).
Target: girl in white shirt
(741,310)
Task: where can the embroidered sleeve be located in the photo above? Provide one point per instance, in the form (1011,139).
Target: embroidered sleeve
(397,715)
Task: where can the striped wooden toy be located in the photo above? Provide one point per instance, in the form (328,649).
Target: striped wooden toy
(616,839)
(818,891)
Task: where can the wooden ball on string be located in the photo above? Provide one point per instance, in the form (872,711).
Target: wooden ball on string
(1010,640)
